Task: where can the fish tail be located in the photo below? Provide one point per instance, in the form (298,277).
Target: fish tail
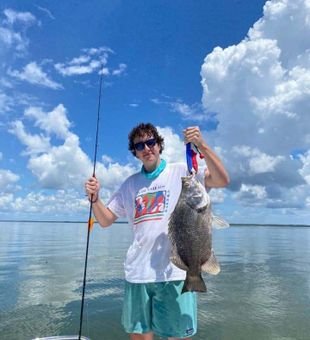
(194,284)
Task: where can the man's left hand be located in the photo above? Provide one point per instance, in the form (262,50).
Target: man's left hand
(192,134)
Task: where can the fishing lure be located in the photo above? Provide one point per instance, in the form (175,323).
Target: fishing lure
(191,157)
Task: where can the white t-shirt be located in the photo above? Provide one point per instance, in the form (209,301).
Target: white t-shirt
(148,204)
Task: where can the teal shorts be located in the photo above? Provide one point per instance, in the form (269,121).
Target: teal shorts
(160,308)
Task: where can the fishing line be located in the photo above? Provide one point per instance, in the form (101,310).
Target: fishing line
(90,208)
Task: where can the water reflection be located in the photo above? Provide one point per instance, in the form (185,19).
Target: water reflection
(262,292)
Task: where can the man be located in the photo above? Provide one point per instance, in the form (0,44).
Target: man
(153,302)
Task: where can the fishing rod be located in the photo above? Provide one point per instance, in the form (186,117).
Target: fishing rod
(90,220)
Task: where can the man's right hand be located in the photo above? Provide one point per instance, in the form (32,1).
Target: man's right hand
(92,187)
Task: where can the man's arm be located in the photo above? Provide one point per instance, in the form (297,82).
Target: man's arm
(104,215)
(215,176)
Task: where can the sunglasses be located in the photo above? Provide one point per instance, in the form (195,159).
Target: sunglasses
(141,145)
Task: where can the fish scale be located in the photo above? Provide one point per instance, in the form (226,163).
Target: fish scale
(190,233)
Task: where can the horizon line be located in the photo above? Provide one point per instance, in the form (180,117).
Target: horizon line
(126,222)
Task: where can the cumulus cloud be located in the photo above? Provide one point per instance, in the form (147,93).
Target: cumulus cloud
(252,193)
(254,161)
(23,17)
(7,181)
(13,27)
(217,196)
(53,122)
(174,146)
(36,204)
(34,143)
(5,201)
(33,74)
(305,169)
(64,165)
(259,90)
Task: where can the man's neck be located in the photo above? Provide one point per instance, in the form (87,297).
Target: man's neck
(152,167)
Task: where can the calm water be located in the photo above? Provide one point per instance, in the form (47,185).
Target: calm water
(263,291)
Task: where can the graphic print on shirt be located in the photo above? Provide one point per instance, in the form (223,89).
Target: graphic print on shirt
(150,206)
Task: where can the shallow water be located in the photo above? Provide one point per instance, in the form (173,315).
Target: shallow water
(262,292)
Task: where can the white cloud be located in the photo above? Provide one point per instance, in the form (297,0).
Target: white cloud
(121,69)
(46,11)
(12,37)
(59,204)
(257,161)
(34,143)
(61,167)
(251,193)
(74,69)
(287,22)
(260,92)
(217,196)
(98,51)
(33,74)
(6,102)
(92,60)
(194,111)
(113,175)
(65,165)
(305,170)
(106,159)
(5,201)
(6,83)
(9,38)
(23,17)
(53,122)
(189,112)
(104,71)
(174,149)
(7,181)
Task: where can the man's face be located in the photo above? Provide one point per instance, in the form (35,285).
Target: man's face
(147,150)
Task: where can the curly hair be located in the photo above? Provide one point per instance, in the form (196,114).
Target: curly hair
(141,130)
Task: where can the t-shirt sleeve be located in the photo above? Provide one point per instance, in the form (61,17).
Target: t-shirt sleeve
(116,203)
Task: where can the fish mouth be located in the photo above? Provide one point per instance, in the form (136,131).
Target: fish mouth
(188,177)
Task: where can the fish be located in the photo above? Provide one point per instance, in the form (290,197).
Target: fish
(190,233)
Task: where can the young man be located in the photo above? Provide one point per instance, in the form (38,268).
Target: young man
(153,302)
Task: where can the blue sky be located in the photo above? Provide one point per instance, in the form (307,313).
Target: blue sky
(238,69)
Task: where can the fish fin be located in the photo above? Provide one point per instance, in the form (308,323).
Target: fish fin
(177,261)
(211,266)
(194,284)
(219,222)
